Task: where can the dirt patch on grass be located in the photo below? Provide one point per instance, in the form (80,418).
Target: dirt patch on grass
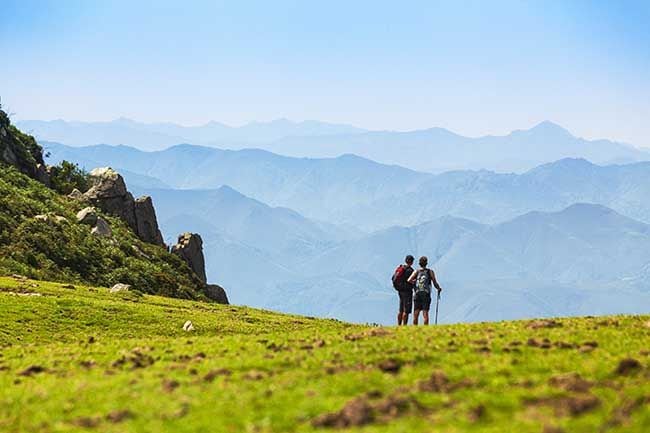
(361,411)
(439,382)
(543,323)
(390,365)
(572,405)
(118,416)
(373,332)
(623,413)
(570,382)
(137,358)
(32,370)
(627,367)
(212,375)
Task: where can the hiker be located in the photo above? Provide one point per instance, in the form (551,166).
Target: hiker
(423,278)
(404,289)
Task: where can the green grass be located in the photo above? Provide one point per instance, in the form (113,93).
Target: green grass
(122,363)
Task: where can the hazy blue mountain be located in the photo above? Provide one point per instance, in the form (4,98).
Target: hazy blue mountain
(157,136)
(248,245)
(583,259)
(491,197)
(437,149)
(317,188)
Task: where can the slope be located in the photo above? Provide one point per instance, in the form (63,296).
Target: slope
(83,359)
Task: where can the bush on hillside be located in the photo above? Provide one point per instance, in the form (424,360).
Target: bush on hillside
(67,176)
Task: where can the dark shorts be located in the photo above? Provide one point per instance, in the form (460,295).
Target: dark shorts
(405,301)
(422,301)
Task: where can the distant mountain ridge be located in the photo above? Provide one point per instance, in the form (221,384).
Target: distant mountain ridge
(438,150)
(158,136)
(357,192)
(428,150)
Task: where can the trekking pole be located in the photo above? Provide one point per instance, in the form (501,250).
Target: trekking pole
(437,302)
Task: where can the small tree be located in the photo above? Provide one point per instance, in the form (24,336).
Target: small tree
(67,176)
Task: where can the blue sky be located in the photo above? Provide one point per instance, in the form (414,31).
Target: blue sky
(475,67)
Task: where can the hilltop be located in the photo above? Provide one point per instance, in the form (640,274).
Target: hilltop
(61,223)
(78,358)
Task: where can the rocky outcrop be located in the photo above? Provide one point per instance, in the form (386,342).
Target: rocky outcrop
(87,216)
(216,293)
(102,229)
(190,248)
(21,151)
(146,221)
(108,192)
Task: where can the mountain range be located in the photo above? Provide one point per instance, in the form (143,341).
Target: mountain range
(359,193)
(158,136)
(321,236)
(428,150)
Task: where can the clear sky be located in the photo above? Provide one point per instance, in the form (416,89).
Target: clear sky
(475,67)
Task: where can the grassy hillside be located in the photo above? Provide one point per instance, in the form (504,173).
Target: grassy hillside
(78,358)
(63,250)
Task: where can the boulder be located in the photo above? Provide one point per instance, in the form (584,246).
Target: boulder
(87,216)
(42,174)
(120,287)
(76,195)
(108,192)
(54,218)
(101,228)
(190,249)
(216,293)
(146,221)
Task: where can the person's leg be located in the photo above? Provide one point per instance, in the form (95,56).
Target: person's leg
(425,315)
(416,315)
(405,320)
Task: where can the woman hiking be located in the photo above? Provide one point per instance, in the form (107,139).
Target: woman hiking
(423,278)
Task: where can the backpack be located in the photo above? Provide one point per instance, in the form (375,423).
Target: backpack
(423,281)
(399,277)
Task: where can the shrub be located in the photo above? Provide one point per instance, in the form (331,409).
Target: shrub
(67,176)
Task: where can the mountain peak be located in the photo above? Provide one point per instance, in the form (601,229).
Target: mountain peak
(548,127)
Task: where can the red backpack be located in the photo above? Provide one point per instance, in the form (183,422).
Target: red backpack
(399,277)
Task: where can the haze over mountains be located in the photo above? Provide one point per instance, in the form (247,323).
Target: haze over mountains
(158,136)
(428,150)
(321,236)
(357,192)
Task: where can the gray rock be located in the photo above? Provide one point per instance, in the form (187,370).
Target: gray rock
(87,216)
(146,221)
(120,287)
(102,228)
(108,192)
(190,249)
(51,218)
(76,195)
(216,293)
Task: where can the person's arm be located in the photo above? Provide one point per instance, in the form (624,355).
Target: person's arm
(413,276)
(434,281)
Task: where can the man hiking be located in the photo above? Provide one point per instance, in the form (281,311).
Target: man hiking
(423,278)
(404,289)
